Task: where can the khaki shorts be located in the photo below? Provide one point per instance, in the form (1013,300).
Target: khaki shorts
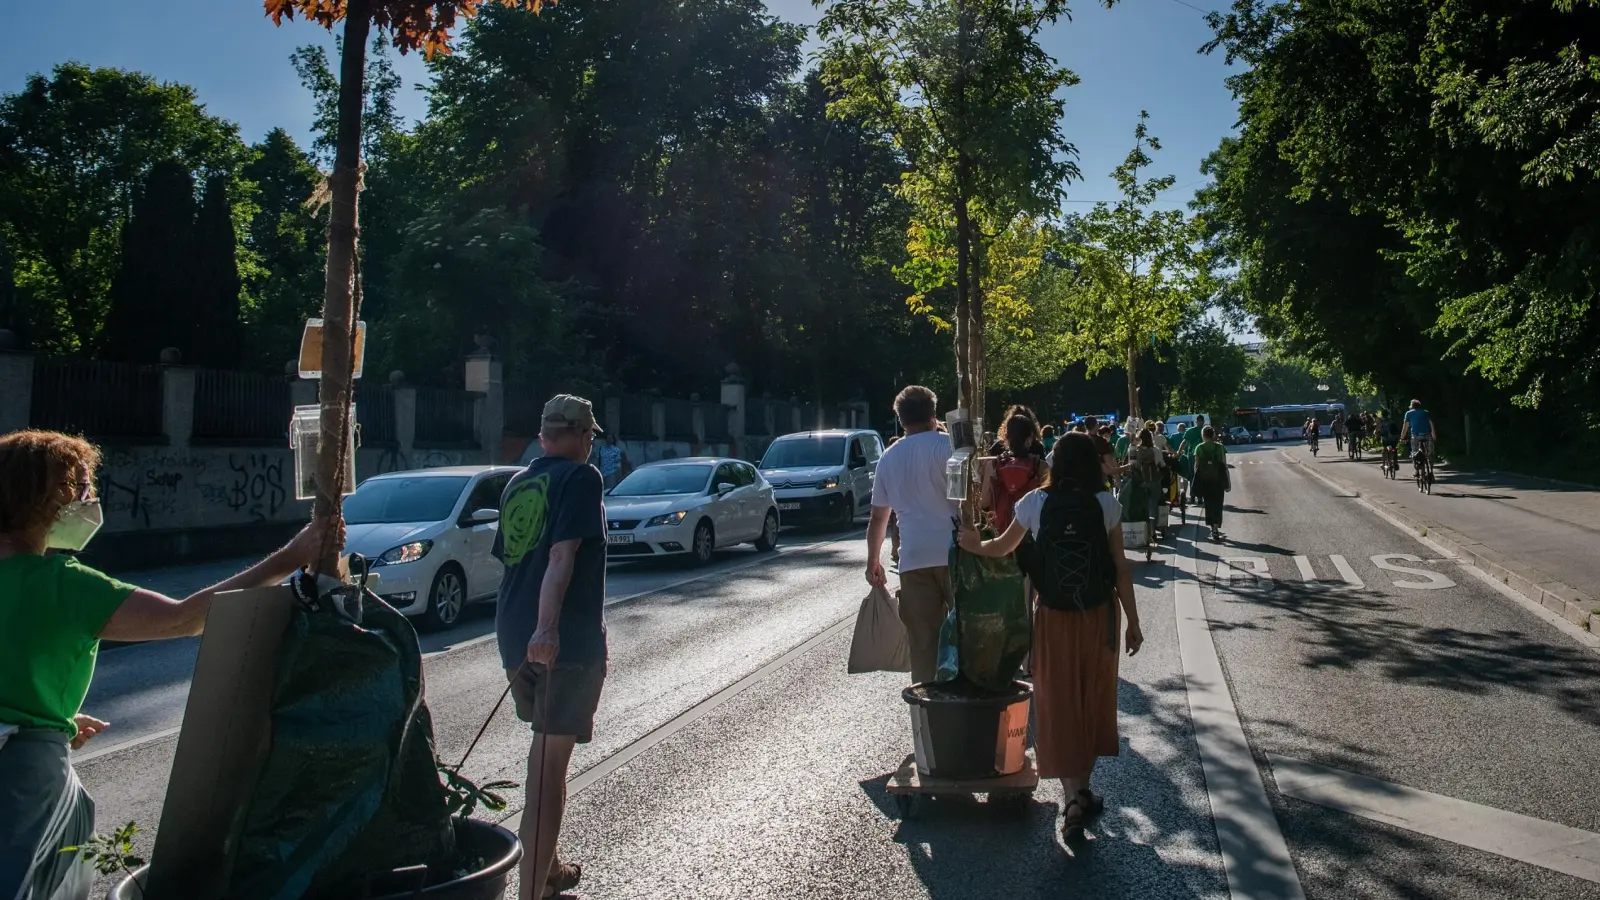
(560,701)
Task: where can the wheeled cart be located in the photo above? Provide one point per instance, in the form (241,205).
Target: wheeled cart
(908,784)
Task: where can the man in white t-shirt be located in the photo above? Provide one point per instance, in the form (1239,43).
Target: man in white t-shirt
(910,482)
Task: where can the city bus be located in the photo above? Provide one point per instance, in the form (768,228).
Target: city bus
(1285,423)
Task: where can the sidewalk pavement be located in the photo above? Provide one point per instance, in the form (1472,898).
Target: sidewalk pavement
(1539,537)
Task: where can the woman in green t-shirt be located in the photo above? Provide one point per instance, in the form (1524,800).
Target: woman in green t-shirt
(54,611)
(1211,478)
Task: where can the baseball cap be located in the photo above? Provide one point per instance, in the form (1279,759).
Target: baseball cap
(564,411)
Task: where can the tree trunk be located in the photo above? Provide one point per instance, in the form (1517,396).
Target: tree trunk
(338,297)
(1133,381)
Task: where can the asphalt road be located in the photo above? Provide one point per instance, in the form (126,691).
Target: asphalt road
(734,757)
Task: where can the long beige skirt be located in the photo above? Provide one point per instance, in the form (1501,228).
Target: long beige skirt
(1075,688)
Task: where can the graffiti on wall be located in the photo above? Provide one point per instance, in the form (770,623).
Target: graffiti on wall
(205,487)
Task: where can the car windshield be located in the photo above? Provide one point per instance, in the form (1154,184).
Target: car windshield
(799,453)
(389,501)
(652,481)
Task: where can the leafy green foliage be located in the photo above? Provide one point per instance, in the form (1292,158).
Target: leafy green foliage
(1411,196)
(466,796)
(975,103)
(75,149)
(111,854)
(1140,274)
(1212,369)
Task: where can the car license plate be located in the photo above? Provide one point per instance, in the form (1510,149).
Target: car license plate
(619,538)
(788,506)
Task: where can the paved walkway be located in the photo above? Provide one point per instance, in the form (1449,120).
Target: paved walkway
(1549,526)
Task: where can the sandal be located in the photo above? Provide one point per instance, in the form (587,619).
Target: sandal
(562,878)
(1093,803)
(1072,820)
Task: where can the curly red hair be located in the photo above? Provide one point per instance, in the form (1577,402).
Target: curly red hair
(33,467)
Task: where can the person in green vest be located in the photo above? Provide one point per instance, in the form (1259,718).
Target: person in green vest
(1211,479)
(1047,435)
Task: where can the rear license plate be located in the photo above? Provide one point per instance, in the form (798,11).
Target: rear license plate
(788,506)
(619,538)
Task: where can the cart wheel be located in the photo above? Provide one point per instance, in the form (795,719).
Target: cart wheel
(902,804)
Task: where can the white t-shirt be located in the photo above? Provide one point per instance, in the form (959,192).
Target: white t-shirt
(1029,507)
(910,481)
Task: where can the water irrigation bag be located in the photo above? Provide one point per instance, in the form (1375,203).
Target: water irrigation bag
(350,786)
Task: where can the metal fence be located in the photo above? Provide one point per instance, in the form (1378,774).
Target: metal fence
(715,416)
(524,409)
(375,413)
(240,406)
(638,417)
(680,419)
(98,399)
(444,416)
(782,417)
(755,415)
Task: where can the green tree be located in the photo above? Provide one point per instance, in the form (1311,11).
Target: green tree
(974,101)
(151,291)
(1212,369)
(214,290)
(1141,273)
(75,147)
(286,239)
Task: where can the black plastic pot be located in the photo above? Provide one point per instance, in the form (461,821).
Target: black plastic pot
(498,848)
(961,731)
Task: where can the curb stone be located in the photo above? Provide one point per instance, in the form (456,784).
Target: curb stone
(1574,605)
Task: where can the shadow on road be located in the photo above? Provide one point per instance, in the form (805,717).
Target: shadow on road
(1154,840)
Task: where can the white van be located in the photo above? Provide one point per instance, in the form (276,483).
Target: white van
(823,476)
(1187,420)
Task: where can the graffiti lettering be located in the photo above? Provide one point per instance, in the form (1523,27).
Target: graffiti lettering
(257,489)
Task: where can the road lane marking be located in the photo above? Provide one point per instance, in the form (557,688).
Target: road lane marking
(1255,857)
(659,589)
(1348,574)
(486,638)
(1307,574)
(622,757)
(1548,845)
(1434,581)
(1578,635)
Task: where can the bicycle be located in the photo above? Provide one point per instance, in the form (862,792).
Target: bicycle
(1391,461)
(1422,465)
(1313,442)
(1353,443)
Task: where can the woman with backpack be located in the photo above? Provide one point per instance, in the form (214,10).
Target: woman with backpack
(1017,471)
(1083,581)
(1211,479)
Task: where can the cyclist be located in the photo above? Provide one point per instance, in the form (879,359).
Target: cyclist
(1384,430)
(1313,433)
(1419,426)
(1355,430)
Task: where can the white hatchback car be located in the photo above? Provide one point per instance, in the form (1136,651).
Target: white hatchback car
(693,505)
(428,535)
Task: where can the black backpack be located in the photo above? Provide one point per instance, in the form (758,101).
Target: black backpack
(1070,563)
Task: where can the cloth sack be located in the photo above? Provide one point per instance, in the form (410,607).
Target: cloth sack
(879,643)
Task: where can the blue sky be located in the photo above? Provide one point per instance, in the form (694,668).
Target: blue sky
(1139,55)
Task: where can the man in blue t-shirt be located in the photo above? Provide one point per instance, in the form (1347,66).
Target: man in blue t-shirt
(550,621)
(1419,425)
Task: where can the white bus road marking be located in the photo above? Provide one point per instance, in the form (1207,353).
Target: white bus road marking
(1230,567)
(1434,581)
(1548,845)
(1307,574)
(1348,574)
(1255,857)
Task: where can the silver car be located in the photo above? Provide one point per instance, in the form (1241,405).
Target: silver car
(691,506)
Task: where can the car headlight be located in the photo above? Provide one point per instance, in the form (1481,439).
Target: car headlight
(828,484)
(406,553)
(672,518)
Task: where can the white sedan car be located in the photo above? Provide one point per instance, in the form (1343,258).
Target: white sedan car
(694,506)
(428,536)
